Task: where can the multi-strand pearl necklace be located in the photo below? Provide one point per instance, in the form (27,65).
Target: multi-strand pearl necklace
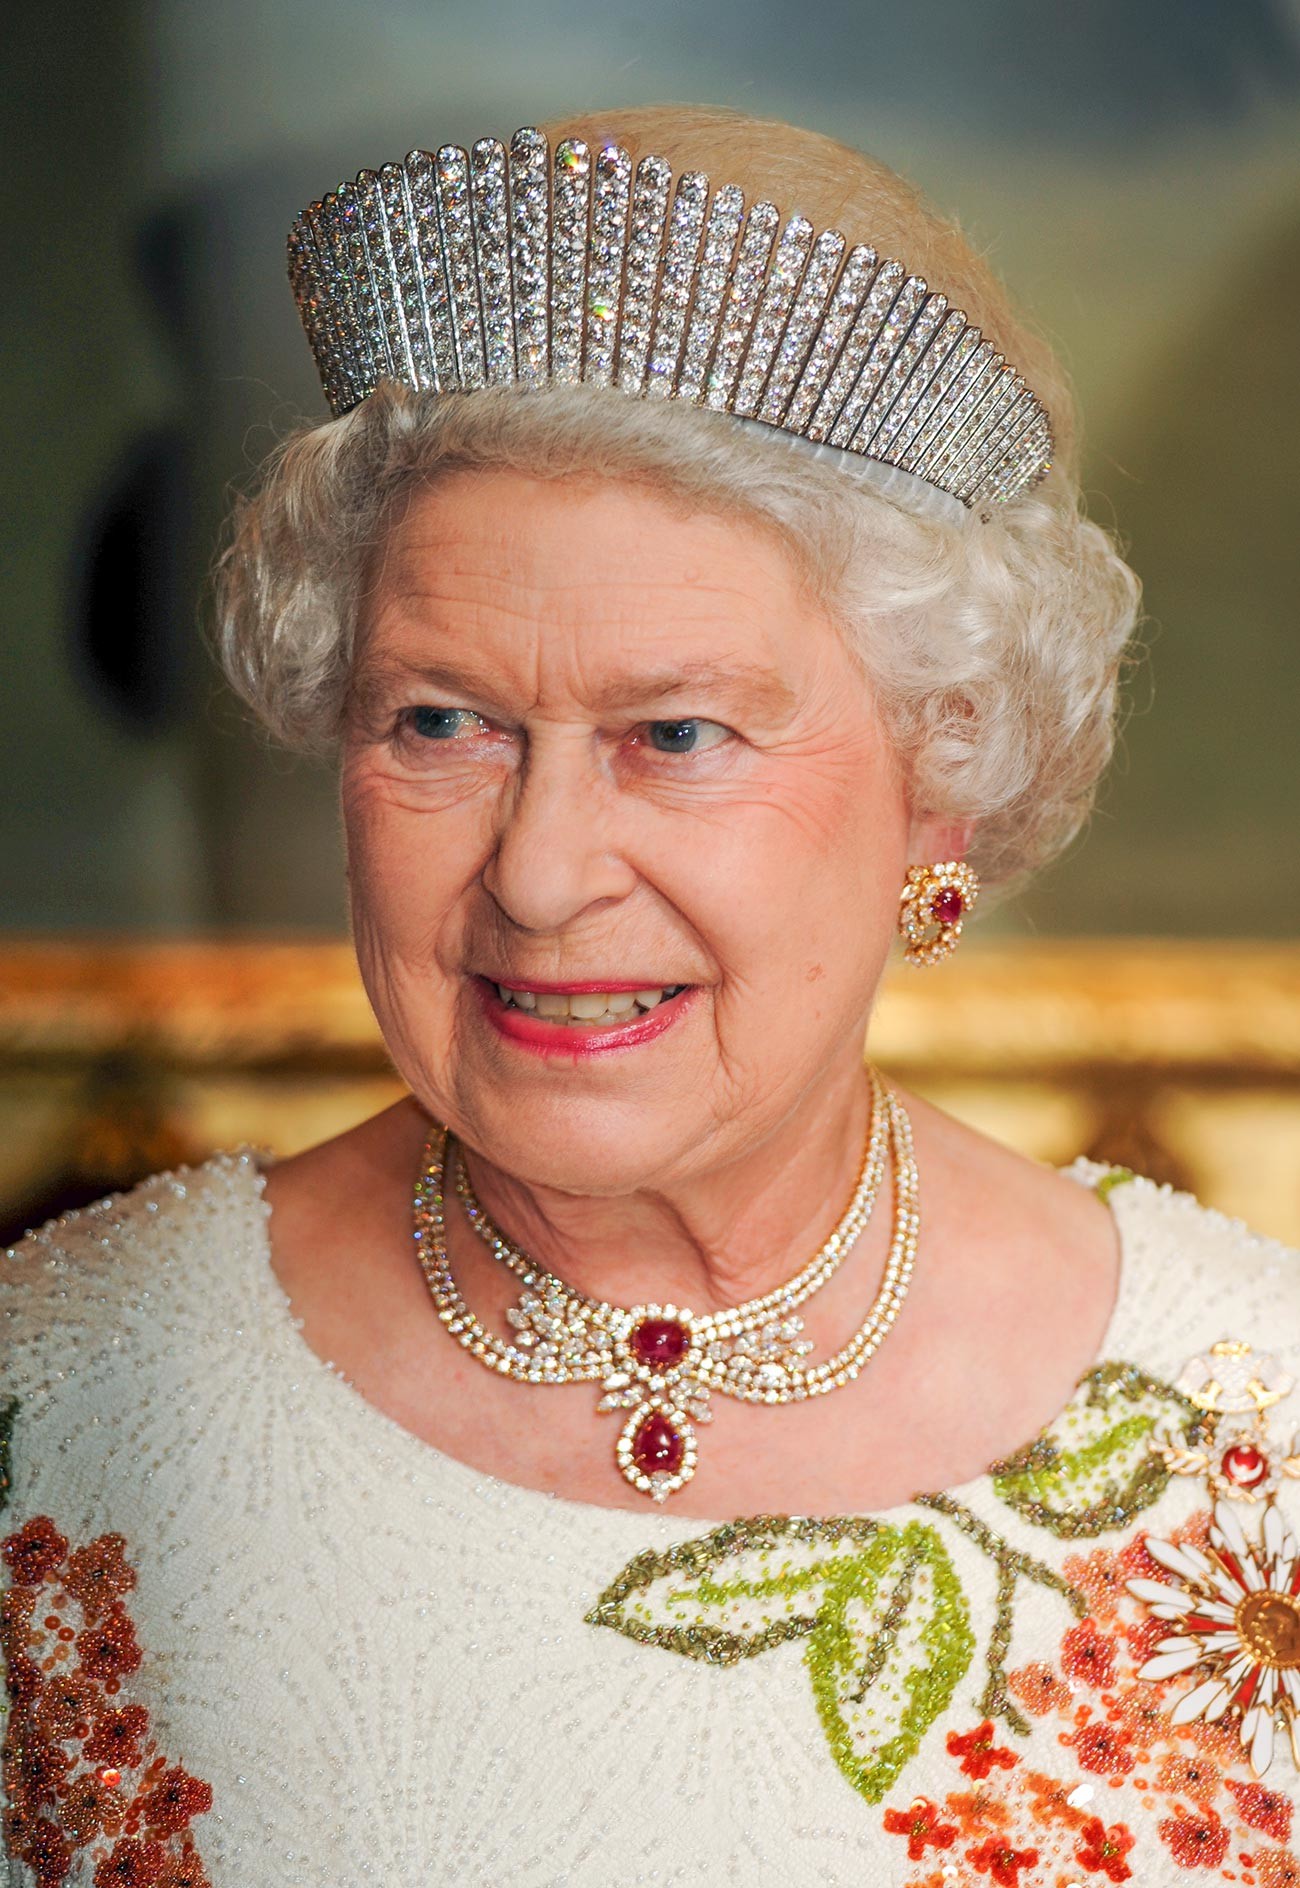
(661,1363)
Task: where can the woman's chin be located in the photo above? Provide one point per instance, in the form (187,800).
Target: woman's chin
(596,1148)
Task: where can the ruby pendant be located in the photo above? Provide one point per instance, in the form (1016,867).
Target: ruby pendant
(656,1451)
(657,1448)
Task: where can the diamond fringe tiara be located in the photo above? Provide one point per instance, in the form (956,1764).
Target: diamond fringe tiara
(474,269)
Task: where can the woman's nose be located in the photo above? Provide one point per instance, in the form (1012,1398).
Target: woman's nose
(555,854)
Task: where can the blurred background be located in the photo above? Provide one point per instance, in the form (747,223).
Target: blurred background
(171,890)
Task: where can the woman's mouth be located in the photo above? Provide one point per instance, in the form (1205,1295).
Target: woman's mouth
(581,1018)
(601,1007)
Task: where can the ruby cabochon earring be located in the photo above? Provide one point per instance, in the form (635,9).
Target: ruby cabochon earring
(932,905)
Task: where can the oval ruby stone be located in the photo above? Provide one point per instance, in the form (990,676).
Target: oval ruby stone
(1244,1465)
(659,1342)
(657,1448)
(948,905)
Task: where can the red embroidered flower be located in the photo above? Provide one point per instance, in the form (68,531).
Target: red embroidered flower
(46,1850)
(34,1551)
(1002,1863)
(1089,1655)
(108,1648)
(184,1871)
(1277,1868)
(23,1678)
(132,1864)
(1050,1800)
(1263,1809)
(978,1751)
(175,1800)
(921,1825)
(1101,1577)
(42,1767)
(97,1574)
(1198,1839)
(976,1810)
(86,1806)
(115,1736)
(1102,1850)
(1103,1750)
(64,1704)
(1039,1689)
(1196,1777)
(1138,1709)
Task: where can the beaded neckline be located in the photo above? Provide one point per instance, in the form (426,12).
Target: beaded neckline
(428,1458)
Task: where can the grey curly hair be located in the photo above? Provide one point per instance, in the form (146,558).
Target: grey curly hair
(994,649)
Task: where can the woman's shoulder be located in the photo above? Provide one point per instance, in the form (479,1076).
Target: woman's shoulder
(1192,1275)
(140,1254)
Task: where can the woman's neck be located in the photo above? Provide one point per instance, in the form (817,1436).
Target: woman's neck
(712,1241)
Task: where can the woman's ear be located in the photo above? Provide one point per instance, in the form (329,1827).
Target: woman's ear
(931,839)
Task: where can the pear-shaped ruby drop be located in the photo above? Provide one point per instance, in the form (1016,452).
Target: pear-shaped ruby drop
(1244,1465)
(659,1342)
(948,905)
(657,1448)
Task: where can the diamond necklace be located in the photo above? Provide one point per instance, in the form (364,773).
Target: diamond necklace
(661,1363)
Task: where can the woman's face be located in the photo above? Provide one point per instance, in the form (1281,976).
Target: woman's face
(596,748)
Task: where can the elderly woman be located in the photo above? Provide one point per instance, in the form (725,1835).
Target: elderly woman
(658,1449)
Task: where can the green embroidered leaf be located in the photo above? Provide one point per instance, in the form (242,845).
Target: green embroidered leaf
(738,1591)
(1093,1469)
(893,1641)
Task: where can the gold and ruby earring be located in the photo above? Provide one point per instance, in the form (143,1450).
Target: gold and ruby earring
(933,903)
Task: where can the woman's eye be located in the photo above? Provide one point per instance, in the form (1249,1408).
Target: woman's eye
(685,737)
(443,724)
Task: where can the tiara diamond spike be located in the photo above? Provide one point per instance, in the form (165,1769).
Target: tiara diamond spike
(612,190)
(529,265)
(720,232)
(492,248)
(641,269)
(451,178)
(532,264)
(570,212)
(676,282)
(422,190)
(399,224)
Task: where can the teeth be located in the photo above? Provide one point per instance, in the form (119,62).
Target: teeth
(586,1006)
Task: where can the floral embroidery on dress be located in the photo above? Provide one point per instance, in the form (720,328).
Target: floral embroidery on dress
(881,1609)
(1138,1770)
(84,1779)
(887,1637)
